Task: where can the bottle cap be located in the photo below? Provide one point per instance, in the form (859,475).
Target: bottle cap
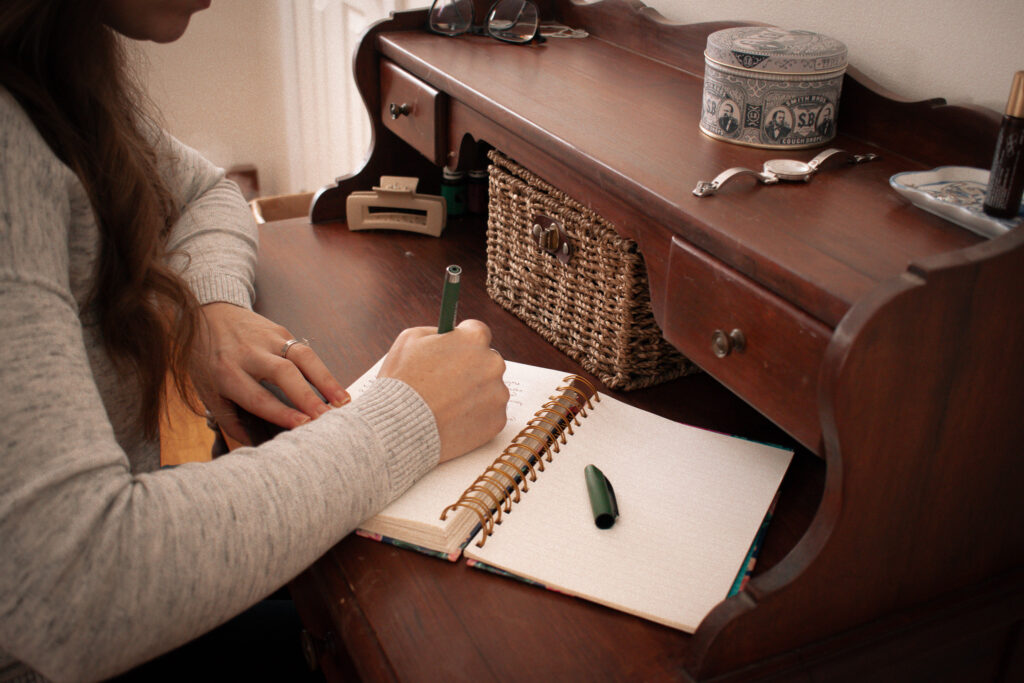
(1015,105)
(449,174)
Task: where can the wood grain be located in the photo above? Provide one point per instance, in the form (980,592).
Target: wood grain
(184,436)
(900,328)
(392,612)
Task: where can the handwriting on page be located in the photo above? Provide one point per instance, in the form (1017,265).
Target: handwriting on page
(515,400)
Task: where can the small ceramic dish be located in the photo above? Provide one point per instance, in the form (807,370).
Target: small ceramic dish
(956,194)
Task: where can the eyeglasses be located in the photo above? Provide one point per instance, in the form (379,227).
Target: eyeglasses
(514,21)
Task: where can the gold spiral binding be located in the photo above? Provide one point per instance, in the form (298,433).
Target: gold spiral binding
(500,484)
(557,426)
(593,390)
(574,407)
(586,399)
(480,509)
(505,501)
(564,413)
(525,463)
(496,503)
(545,443)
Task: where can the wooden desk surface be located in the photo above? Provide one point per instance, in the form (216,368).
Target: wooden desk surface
(818,248)
(395,614)
(352,293)
(904,377)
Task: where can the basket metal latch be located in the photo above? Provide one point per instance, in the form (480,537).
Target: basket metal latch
(551,237)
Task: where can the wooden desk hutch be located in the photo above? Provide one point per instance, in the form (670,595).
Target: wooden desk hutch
(881,340)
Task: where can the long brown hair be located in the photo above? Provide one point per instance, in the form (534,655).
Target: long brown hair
(71,74)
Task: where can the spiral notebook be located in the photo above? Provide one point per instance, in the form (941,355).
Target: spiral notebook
(691,502)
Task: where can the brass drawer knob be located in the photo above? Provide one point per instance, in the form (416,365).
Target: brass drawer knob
(397,110)
(723,344)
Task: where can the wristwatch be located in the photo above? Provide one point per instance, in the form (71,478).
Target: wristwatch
(775,170)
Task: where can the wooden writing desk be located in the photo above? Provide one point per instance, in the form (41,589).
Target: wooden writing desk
(881,339)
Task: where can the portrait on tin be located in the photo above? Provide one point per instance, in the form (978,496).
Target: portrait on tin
(826,122)
(778,126)
(728,121)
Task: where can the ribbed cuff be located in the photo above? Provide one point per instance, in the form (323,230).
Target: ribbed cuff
(406,429)
(226,288)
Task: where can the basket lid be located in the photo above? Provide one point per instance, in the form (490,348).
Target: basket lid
(770,49)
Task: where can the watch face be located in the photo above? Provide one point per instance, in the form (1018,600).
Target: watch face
(788,169)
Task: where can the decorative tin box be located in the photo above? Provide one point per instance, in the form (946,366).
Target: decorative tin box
(772,87)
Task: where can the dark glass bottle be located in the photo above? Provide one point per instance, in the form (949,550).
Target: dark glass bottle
(453,189)
(476,194)
(1006,181)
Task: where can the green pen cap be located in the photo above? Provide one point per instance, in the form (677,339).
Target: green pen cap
(602,497)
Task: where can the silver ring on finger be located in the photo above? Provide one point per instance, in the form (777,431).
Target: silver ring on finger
(290,343)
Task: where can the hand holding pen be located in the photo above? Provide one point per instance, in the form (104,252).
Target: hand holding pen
(457,374)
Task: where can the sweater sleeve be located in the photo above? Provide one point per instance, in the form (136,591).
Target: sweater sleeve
(100,568)
(213,243)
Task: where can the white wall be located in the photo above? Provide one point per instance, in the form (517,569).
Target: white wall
(966,52)
(220,87)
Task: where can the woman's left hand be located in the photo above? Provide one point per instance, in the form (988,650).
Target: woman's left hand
(236,350)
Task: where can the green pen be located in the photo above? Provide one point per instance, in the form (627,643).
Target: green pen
(602,497)
(449,299)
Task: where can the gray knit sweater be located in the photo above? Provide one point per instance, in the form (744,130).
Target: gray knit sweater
(106,560)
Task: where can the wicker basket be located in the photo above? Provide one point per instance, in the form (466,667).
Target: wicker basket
(566,273)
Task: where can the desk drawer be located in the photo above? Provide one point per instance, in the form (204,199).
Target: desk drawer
(773,359)
(414,111)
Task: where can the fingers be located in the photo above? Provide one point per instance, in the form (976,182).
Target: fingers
(303,357)
(301,366)
(459,376)
(295,377)
(477,332)
(240,386)
(240,349)
(223,413)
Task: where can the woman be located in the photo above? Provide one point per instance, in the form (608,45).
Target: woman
(125,256)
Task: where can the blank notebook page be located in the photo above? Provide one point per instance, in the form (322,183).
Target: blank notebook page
(690,504)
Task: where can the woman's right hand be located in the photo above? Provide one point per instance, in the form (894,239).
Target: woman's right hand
(458,374)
